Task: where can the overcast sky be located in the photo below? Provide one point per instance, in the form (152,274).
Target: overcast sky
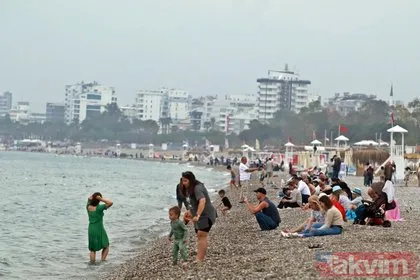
(207,47)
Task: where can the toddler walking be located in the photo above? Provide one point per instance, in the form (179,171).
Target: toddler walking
(179,232)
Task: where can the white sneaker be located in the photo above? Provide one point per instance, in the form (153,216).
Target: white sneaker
(285,234)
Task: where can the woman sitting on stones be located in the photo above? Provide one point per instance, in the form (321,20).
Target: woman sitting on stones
(333,224)
(383,200)
(292,198)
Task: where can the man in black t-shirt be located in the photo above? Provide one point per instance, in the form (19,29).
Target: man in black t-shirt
(225,202)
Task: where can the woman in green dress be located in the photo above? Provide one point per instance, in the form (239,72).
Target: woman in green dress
(98,239)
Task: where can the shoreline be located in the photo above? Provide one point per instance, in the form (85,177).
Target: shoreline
(161,236)
(239,250)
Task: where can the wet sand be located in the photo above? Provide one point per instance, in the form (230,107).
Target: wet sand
(239,250)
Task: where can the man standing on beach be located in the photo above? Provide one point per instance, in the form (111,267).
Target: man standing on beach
(244,176)
(336,165)
(269,169)
(265,212)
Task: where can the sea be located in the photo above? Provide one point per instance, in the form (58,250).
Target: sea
(43,219)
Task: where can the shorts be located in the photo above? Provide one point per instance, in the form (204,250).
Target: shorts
(232,182)
(207,229)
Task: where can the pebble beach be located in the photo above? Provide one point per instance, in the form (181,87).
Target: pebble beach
(239,250)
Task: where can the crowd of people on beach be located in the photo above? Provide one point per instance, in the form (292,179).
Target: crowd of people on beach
(329,199)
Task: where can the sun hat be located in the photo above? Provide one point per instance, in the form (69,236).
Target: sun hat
(336,188)
(357,191)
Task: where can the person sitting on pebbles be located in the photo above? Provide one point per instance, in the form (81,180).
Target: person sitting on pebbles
(265,212)
(323,187)
(336,203)
(339,195)
(333,224)
(357,198)
(293,197)
(317,215)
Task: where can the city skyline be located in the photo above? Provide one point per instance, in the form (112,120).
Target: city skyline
(207,49)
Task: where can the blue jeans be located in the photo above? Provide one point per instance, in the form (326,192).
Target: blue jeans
(265,222)
(335,173)
(333,230)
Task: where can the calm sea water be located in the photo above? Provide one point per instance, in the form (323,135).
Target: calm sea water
(43,220)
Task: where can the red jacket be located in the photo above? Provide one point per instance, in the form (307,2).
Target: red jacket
(340,208)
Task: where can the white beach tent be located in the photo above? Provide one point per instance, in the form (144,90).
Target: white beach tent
(383,143)
(289,144)
(316,142)
(341,138)
(366,143)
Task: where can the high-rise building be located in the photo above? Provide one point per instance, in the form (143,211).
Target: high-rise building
(84,100)
(163,103)
(178,104)
(281,90)
(55,112)
(21,112)
(150,104)
(5,103)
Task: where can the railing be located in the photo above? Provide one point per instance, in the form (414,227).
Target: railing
(397,150)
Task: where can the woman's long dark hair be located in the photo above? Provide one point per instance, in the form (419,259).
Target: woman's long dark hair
(95,201)
(193,182)
(327,202)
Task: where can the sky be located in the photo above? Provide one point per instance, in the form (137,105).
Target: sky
(207,47)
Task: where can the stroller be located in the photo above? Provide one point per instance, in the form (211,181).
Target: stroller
(374,211)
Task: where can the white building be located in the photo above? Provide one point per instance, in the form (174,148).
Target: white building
(281,90)
(21,112)
(313,98)
(38,117)
(84,100)
(178,104)
(150,104)
(225,110)
(201,112)
(5,103)
(240,121)
(163,103)
(130,112)
(347,103)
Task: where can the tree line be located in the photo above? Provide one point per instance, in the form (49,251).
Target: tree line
(373,119)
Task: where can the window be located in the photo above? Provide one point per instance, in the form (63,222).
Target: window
(93,107)
(94,96)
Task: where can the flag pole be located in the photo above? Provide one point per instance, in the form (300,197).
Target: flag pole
(331,138)
(325,137)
